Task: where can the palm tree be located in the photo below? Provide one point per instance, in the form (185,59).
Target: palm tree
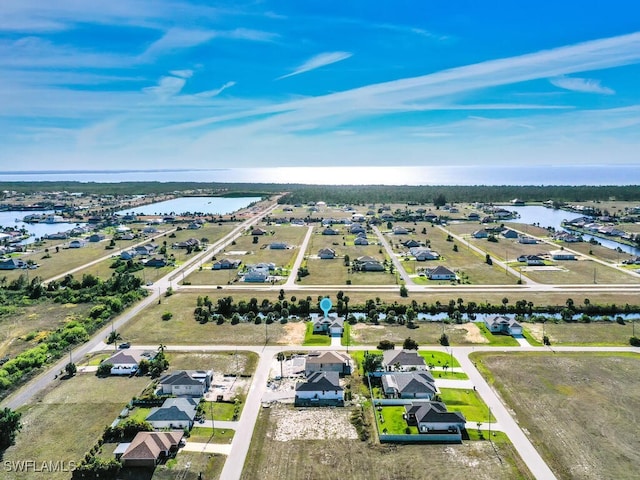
(280,357)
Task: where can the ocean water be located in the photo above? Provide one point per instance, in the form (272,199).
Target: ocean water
(359,175)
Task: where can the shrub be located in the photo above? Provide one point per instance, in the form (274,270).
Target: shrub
(167,316)
(104,369)
(444,340)
(634,341)
(386,345)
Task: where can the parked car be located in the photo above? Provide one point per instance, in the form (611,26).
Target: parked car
(124,345)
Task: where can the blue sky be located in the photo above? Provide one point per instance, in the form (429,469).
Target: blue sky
(157,84)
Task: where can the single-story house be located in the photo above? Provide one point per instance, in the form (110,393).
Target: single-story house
(327,253)
(12,264)
(128,255)
(194,226)
(175,413)
(125,236)
(189,243)
(500,324)
(57,236)
(144,249)
(518,202)
(527,240)
(368,264)
(330,231)
(440,273)
(562,255)
(402,361)
(357,228)
(433,417)
(258,231)
(186,382)
(125,362)
(96,237)
(422,254)
(400,231)
(330,325)
(257,275)
(321,388)
(327,362)
(418,384)
(480,234)
(76,243)
(531,259)
(361,241)
(411,243)
(473,216)
(226,264)
(508,233)
(148,448)
(155,262)
(278,246)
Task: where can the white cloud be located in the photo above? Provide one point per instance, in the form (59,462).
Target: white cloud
(318,61)
(182,73)
(167,87)
(177,39)
(584,85)
(215,92)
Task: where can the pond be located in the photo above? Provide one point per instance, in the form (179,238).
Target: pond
(193,205)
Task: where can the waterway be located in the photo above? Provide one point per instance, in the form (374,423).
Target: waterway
(549,217)
(36,230)
(193,205)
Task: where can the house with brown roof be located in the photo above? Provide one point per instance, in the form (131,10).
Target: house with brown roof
(328,362)
(402,360)
(149,448)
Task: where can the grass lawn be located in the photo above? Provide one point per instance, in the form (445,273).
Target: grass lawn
(139,413)
(311,339)
(243,363)
(594,333)
(210,435)
(389,420)
(438,359)
(498,340)
(66,420)
(188,465)
(270,459)
(582,418)
(466,401)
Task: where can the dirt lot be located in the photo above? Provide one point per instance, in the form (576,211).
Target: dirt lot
(426,333)
(309,454)
(580,409)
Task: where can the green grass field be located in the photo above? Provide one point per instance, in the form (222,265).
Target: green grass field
(466,401)
(311,339)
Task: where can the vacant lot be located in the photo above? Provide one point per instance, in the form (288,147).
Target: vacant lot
(427,333)
(595,333)
(243,363)
(308,457)
(66,421)
(149,328)
(580,410)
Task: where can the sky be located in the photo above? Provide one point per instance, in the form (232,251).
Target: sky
(154,84)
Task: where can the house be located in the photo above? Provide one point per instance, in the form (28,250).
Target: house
(517,202)
(473,216)
(128,255)
(278,246)
(500,324)
(357,228)
(330,231)
(531,259)
(562,255)
(417,384)
(96,237)
(433,417)
(327,362)
(327,253)
(330,325)
(361,241)
(368,264)
(189,243)
(508,233)
(186,382)
(148,448)
(175,413)
(320,389)
(440,273)
(125,362)
(226,264)
(157,262)
(525,239)
(400,231)
(411,243)
(480,234)
(402,361)
(125,236)
(76,244)
(12,264)
(144,250)
(57,236)
(194,226)
(422,254)
(357,217)
(257,275)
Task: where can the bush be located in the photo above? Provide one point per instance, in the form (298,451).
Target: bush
(104,369)
(167,316)
(386,345)
(444,340)
(634,341)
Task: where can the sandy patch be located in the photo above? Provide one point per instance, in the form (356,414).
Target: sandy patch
(355,329)
(472,333)
(535,330)
(313,424)
(293,333)
(541,268)
(237,252)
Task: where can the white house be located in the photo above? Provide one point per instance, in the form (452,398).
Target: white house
(125,362)
(327,362)
(440,273)
(327,253)
(321,388)
(402,361)
(500,324)
(418,384)
(562,255)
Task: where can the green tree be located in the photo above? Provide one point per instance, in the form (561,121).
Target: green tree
(386,345)
(10,425)
(444,340)
(371,363)
(404,292)
(410,344)
(71,369)
(280,357)
(104,369)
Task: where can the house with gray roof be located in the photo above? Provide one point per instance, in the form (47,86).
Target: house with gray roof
(417,384)
(125,362)
(402,361)
(320,389)
(501,324)
(330,325)
(327,362)
(433,417)
(175,414)
(192,383)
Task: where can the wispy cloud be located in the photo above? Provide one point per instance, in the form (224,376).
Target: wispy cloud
(177,39)
(215,92)
(167,87)
(318,61)
(584,85)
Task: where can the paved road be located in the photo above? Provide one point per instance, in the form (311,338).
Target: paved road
(296,265)
(394,258)
(28,391)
